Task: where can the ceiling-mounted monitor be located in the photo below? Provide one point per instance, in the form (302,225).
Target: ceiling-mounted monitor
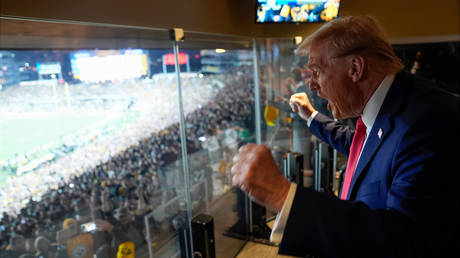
(296,11)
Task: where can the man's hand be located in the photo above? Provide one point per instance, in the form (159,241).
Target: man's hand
(256,173)
(301,104)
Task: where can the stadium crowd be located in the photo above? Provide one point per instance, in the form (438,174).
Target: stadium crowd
(95,199)
(158,110)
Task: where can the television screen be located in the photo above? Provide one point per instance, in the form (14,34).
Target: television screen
(108,65)
(296,11)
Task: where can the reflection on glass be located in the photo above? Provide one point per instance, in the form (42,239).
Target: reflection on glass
(214,133)
(284,74)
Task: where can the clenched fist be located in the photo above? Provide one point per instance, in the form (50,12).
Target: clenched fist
(255,172)
(300,104)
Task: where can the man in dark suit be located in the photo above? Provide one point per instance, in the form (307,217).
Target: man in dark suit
(401,197)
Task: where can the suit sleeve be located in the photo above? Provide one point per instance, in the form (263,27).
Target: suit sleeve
(333,133)
(420,218)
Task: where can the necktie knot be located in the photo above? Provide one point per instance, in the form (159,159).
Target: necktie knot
(360,126)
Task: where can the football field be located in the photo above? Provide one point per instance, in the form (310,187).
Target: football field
(37,135)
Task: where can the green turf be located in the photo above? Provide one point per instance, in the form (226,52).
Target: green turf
(22,135)
(19,136)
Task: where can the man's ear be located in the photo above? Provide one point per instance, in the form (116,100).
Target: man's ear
(357,67)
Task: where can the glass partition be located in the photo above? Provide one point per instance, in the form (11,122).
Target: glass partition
(88,150)
(91,153)
(282,74)
(218,101)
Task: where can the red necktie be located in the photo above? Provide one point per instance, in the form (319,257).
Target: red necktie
(355,150)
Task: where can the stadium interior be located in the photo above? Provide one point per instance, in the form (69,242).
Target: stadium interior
(117,128)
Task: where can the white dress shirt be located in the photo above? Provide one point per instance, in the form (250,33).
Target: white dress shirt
(369,115)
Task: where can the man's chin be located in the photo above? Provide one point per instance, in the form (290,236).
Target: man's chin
(339,115)
(333,111)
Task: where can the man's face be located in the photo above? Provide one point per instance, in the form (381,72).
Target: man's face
(332,82)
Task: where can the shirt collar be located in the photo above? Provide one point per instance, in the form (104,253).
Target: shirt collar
(374,104)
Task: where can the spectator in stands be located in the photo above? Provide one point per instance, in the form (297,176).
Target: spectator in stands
(144,155)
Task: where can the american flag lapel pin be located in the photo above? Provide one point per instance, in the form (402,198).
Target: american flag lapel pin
(380,133)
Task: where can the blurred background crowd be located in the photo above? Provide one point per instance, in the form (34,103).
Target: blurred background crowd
(95,199)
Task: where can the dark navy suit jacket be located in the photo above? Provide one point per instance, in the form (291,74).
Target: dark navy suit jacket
(404,198)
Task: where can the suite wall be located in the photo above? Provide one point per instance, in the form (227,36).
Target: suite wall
(400,18)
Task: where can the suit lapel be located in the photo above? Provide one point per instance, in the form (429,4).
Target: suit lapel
(372,145)
(382,127)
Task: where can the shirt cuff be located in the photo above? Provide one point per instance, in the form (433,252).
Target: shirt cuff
(311,117)
(281,218)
